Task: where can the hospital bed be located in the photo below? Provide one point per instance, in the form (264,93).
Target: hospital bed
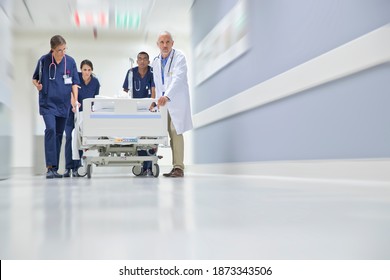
(111,131)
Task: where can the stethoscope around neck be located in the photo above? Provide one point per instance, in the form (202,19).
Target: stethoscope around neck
(170,63)
(55,68)
(139,85)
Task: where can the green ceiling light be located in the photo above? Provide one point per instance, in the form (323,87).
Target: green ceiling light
(127,20)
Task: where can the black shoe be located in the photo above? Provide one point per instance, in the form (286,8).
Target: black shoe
(67,173)
(75,173)
(56,175)
(51,174)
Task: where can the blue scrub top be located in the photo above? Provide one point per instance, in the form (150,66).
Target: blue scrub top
(87,91)
(55,96)
(142,87)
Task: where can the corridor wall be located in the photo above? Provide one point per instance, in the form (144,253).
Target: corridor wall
(5,92)
(343,118)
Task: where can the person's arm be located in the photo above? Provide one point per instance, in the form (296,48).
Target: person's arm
(125,85)
(163,100)
(152,85)
(37,75)
(74,98)
(179,74)
(37,84)
(97,87)
(153,105)
(75,87)
(179,77)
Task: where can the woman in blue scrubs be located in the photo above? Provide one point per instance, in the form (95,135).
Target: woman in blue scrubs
(56,79)
(89,88)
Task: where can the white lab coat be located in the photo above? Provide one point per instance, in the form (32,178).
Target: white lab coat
(176,89)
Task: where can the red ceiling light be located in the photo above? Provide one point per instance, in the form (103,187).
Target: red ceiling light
(77,19)
(91,18)
(103,19)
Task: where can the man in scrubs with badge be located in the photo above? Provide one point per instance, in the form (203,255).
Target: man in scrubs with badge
(56,78)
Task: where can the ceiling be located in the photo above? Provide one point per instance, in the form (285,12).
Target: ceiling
(136,16)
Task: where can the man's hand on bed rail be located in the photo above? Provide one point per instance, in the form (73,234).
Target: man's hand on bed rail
(163,100)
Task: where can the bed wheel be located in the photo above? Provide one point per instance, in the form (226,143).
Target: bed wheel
(82,171)
(156,170)
(137,170)
(89,171)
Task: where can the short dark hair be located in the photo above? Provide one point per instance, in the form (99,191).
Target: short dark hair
(144,53)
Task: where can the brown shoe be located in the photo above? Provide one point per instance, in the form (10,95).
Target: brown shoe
(177,172)
(169,174)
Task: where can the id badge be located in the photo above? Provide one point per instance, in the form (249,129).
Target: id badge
(67,80)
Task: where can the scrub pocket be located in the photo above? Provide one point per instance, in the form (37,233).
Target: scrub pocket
(42,99)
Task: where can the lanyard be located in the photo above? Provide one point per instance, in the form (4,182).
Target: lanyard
(169,68)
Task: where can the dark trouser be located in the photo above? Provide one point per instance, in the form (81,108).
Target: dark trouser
(53,139)
(69,162)
(147,164)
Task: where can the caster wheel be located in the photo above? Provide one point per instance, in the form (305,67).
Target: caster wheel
(156,170)
(82,171)
(137,170)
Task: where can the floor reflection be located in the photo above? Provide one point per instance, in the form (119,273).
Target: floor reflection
(119,216)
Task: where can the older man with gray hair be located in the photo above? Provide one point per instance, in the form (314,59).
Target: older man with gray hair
(172,90)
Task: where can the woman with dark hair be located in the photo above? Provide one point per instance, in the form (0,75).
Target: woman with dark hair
(89,88)
(56,79)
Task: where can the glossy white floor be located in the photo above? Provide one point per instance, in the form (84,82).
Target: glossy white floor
(119,216)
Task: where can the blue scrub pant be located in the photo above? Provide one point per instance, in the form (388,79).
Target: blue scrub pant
(147,164)
(69,162)
(54,131)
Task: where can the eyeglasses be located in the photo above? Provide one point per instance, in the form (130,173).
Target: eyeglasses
(61,50)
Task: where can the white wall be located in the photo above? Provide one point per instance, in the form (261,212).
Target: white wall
(5,92)
(109,53)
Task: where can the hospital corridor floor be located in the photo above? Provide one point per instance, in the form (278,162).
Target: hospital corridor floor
(120,216)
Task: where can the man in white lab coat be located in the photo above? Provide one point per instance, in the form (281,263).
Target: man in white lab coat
(170,78)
